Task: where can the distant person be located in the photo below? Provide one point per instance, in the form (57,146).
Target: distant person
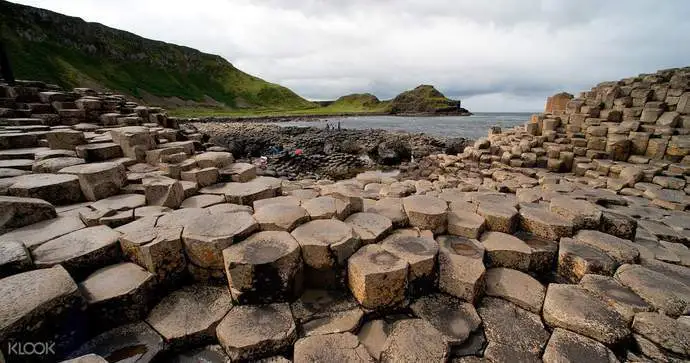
(5,69)
(338,125)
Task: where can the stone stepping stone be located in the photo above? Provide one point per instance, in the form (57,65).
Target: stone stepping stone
(499,217)
(280,217)
(202,201)
(18,140)
(666,333)
(135,342)
(65,139)
(89,358)
(517,287)
(566,346)
(101,151)
(19,164)
(340,347)
(414,340)
(252,332)
(117,294)
(370,227)
(376,277)
(388,207)
(426,212)
(320,312)
(676,272)
(513,334)
(117,219)
(544,252)
(373,336)
(53,296)
(238,172)
(420,254)
(326,245)
(156,248)
(465,223)
(46,154)
(454,319)
(326,208)
(206,236)
(284,200)
(660,230)
(461,269)
(36,234)
(18,212)
(57,189)
(163,191)
(120,202)
(504,250)
(266,267)
(618,225)
(203,177)
(182,217)
(189,316)
(80,252)
(349,193)
(22,153)
(6,173)
(574,308)
(99,180)
(241,193)
(229,208)
(14,258)
(622,251)
(54,165)
(303,194)
(581,213)
(664,293)
(545,224)
(214,159)
(621,298)
(576,259)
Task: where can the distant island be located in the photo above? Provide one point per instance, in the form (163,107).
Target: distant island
(55,48)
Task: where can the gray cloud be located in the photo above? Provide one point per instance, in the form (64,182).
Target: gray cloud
(498,55)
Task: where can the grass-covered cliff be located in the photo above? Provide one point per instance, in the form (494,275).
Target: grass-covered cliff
(47,46)
(424,99)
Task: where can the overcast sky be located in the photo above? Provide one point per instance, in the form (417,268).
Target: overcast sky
(501,55)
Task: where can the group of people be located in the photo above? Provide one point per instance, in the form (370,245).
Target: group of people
(329,127)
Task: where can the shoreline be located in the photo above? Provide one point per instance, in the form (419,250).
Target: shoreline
(306,118)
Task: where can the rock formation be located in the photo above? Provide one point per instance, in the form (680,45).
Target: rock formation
(555,241)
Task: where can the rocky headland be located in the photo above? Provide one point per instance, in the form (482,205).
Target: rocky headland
(126,235)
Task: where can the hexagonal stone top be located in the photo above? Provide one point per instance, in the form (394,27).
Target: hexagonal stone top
(461,246)
(411,249)
(326,242)
(74,244)
(48,290)
(452,317)
(370,227)
(112,281)
(189,311)
(261,248)
(35,234)
(91,168)
(120,202)
(280,217)
(373,259)
(205,237)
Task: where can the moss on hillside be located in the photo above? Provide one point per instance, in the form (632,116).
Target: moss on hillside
(424,99)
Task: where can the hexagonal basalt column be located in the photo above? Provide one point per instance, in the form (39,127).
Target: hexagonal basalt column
(461,270)
(370,227)
(157,249)
(505,250)
(117,294)
(327,207)
(280,217)
(420,255)
(377,278)
(425,212)
(266,267)
(326,245)
(253,332)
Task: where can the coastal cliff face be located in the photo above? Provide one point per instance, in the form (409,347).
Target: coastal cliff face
(70,52)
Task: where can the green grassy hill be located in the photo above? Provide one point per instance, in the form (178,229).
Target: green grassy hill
(47,46)
(358,102)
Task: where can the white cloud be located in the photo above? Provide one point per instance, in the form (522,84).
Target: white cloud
(495,55)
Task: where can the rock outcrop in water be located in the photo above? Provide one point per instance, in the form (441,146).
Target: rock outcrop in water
(425,100)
